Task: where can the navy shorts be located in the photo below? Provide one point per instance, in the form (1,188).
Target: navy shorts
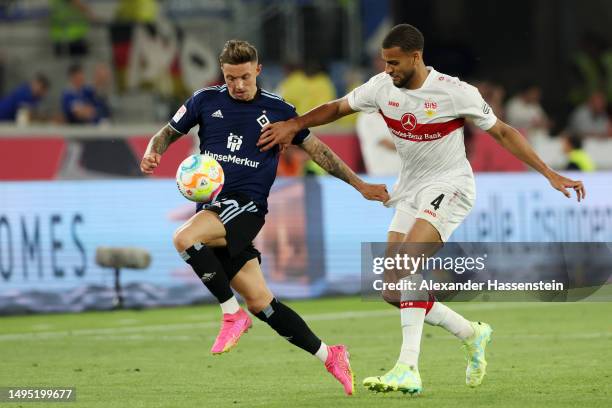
(242,220)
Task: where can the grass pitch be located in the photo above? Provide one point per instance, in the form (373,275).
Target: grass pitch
(541,355)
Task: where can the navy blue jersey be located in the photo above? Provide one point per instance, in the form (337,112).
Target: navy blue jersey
(229,130)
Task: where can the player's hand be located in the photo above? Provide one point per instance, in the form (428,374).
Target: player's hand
(563,183)
(277,133)
(374,192)
(149,162)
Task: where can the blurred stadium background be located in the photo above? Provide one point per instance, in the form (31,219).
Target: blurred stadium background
(70,178)
(70,184)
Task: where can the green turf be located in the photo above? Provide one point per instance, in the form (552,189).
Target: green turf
(541,355)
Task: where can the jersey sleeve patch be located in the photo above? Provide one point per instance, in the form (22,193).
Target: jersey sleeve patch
(179,113)
(186,117)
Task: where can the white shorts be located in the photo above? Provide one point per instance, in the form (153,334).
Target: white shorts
(443,205)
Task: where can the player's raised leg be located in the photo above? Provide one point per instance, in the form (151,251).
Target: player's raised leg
(195,241)
(250,283)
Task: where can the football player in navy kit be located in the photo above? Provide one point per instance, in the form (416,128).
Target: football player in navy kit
(217,240)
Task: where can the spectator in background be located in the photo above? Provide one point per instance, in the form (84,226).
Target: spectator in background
(79,101)
(24,97)
(496,100)
(377,146)
(137,11)
(128,15)
(524,111)
(494,95)
(70,21)
(577,158)
(592,66)
(484,153)
(591,118)
(308,88)
(102,84)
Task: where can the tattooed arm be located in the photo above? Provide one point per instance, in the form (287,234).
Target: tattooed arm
(157,146)
(330,162)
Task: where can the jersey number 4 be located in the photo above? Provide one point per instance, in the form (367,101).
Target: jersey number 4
(437,201)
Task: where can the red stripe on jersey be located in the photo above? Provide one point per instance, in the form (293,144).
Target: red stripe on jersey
(422,132)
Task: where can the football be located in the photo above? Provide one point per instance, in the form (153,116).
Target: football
(200,178)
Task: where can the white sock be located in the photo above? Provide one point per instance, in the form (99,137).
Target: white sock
(230,306)
(412,329)
(443,316)
(322,353)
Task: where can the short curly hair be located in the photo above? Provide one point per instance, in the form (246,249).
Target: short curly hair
(405,36)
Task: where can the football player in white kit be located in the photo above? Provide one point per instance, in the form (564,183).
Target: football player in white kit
(425,111)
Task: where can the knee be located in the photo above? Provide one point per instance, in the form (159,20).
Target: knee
(182,240)
(186,237)
(257,302)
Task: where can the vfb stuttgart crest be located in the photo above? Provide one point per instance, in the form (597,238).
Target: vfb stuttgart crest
(408,121)
(430,108)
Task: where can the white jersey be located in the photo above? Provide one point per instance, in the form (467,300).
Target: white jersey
(427,127)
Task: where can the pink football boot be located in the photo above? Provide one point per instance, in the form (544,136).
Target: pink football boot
(233,326)
(339,366)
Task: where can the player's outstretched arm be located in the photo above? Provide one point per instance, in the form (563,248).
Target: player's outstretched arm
(157,146)
(516,144)
(328,160)
(283,132)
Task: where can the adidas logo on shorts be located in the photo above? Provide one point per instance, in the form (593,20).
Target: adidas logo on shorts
(208,276)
